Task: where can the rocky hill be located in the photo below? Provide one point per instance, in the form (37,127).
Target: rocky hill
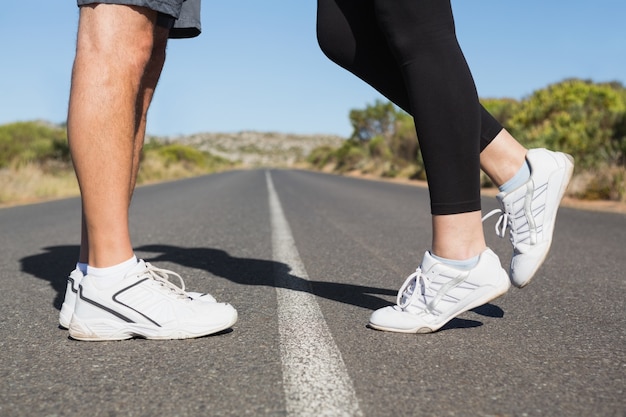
(259,149)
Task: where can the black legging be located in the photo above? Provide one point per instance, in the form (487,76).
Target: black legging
(408,51)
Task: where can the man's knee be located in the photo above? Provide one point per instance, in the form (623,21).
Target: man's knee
(117,34)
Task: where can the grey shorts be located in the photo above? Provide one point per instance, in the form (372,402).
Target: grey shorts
(182,17)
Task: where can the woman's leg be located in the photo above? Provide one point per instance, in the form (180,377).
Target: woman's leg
(420,65)
(357,35)
(349,35)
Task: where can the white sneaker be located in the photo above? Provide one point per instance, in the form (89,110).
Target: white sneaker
(144,304)
(75,278)
(436,293)
(530,212)
(164,274)
(67,309)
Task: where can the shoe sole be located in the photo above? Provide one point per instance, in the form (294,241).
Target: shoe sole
(430,329)
(109,330)
(64,320)
(569,170)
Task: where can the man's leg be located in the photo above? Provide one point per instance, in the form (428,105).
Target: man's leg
(115,72)
(102,122)
(144,98)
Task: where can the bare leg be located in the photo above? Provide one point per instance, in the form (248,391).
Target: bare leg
(458,236)
(106,82)
(502,158)
(148,86)
(144,98)
(83,255)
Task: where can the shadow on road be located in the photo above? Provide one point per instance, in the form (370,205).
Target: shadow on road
(56,262)
(248,271)
(53,265)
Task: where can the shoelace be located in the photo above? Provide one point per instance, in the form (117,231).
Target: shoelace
(408,291)
(162,276)
(503,222)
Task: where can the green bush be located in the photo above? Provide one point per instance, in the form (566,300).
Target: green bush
(404,143)
(349,155)
(378,149)
(501,108)
(582,118)
(177,153)
(383,140)
(321,156)
(579,117)
(22,143)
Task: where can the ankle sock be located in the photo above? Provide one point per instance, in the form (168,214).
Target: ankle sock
(458,264)
(82,267)
(111,275)
(519,179)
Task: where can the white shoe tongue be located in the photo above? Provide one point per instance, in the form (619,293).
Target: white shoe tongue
(428,261)
(140,267)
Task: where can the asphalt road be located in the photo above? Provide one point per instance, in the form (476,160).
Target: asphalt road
(305,258)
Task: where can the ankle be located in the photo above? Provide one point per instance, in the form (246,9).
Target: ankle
(520,178)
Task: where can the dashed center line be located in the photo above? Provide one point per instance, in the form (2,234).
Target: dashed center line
(315,378)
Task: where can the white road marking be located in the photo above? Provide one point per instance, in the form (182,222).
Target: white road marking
(315,378)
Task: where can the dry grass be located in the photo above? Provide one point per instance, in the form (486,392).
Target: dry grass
(608,184)
(155,169)
(30,183)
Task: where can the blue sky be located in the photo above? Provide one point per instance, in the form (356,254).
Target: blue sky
(257,65)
